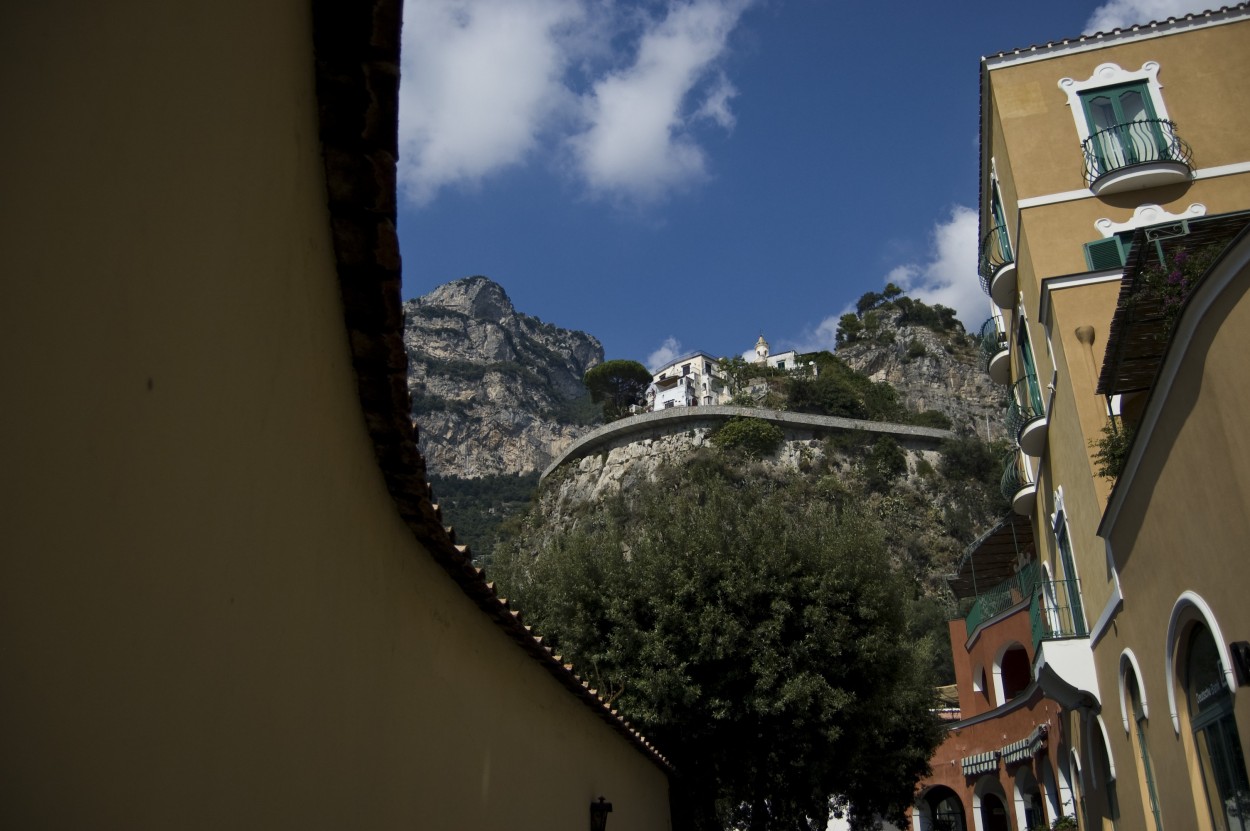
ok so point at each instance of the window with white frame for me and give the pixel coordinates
(1122, 120)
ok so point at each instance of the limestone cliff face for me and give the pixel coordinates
(616, 466)
(931, 371)
(494, 391)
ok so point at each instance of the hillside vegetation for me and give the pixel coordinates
(770, 611)
(756, 627)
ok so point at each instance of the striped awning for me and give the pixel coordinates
(979, 763)
(1026, 748)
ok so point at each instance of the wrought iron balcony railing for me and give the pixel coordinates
(993, 340)
(1013, 479)
(995, 253)
(1055, 611)
(998, 599)
(1148, 141)
(1025, 404)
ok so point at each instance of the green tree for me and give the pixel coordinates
(839, 390)
(753, 629)
(617, 384)
(885, 463)
(736, 372)
(849, 329)
(867, 301)
(753, 436)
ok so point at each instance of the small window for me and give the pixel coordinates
(685, 369)
(781, 365)
(1108, 253)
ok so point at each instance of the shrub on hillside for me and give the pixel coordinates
(753, 436)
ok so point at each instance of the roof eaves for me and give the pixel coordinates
(357, 77)
(1099, 39)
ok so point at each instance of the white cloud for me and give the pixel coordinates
(821, 336)
(948, 275)
(481, 81)
(615, 94)
(715, 107)
(668, 350)
(637, 143)
(1119, 14)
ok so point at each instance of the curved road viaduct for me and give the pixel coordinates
(677, 419)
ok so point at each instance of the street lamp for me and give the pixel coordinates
(599, 814)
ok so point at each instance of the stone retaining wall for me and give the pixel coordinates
(797, 426)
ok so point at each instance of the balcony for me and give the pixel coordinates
(1026, 416)
(1016, 486)
(1002, 597)
(993, 558)
(996, 351)
(1063, 662)
(1135, 155)
(1141, 329)
(997, 268)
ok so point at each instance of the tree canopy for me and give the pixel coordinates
(754, 628)
(839, 390)
(616, 385)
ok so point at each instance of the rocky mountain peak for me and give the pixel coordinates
(925, 354)
(484, 376)
(478, 297)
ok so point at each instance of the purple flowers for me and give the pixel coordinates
(1170, 282)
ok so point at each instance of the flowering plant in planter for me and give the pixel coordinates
(1171, 281)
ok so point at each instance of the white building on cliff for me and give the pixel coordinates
(695, 379)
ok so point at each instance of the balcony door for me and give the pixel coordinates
(1123, 128)
(1001, 239)
(1030, 370)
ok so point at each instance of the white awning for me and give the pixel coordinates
(979, 763)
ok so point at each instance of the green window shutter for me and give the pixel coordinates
(1103, 254)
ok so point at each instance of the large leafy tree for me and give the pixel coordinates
(616, 385)
(755, 629)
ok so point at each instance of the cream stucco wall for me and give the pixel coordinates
(1183, 523)
(1200, 72)
(1183, 527)
(211, 614)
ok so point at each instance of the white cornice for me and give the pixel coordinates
(1089, 43)
(1147, 215)
(1086, 193)
(1068, 281)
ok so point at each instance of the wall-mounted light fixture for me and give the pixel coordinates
(599, 814)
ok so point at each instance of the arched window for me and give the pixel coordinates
(1137, 733)
(1216, 739)
(940, 809)
(1028, 797)
(994, 814)
(980, 686)
(1014, 671)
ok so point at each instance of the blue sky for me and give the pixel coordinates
(673, 175)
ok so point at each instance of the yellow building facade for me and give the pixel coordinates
(1115, 170)
(226, 600)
